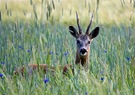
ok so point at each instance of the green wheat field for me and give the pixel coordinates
(36, 31)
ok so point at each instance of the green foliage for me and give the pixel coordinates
(112, 60)
(112, 57)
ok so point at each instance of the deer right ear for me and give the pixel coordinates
(94, 33)
(73, 31)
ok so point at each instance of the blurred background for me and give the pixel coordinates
(107, 12)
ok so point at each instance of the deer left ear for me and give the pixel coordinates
(94, 33)
(73, 31)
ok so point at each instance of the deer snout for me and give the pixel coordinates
(83, 51)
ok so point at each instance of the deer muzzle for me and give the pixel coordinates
(83, 51)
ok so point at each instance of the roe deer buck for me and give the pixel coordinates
(82, 42)
(83, 49)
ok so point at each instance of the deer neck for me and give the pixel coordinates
(83, 60)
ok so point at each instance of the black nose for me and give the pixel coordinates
(83, 51)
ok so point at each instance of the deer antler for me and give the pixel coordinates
(80, 30)
(87, 31)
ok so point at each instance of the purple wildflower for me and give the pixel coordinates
(105, 51)
(46, 80)
(20, 47)
(51, 52)
(3, 63)
(28, 50)
(1, 75)
(101, 78)
(66, 53)
(86, 93)
(128, 58)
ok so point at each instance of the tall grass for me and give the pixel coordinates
(112, 60)
(112, 57)
(63, 11)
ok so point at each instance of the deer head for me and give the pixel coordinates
(83, 42)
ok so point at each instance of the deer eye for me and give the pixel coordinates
(78, 42)
(88, 42)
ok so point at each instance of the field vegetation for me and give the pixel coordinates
(36, 31)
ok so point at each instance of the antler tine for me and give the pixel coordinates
(80, 30)
(87, 31)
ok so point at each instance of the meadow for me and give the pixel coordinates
(37, 32)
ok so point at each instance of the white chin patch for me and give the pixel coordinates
(83, 54)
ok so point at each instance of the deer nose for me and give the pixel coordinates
(83, 51)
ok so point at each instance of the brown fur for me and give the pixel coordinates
(83, 44)
(42, 67)
(82, 60)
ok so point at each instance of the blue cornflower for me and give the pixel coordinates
(46, 80)
(51, 52)
(128, 58)
(86, 93)
(20, 47)
(105, 51)
(2, 62)
(66, 53)
(101, 78)
(28, 50)
(1, 75)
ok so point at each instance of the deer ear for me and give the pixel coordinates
(94, 33)
(73, 31)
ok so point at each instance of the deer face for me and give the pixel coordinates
(83, 43)
(83, 40)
